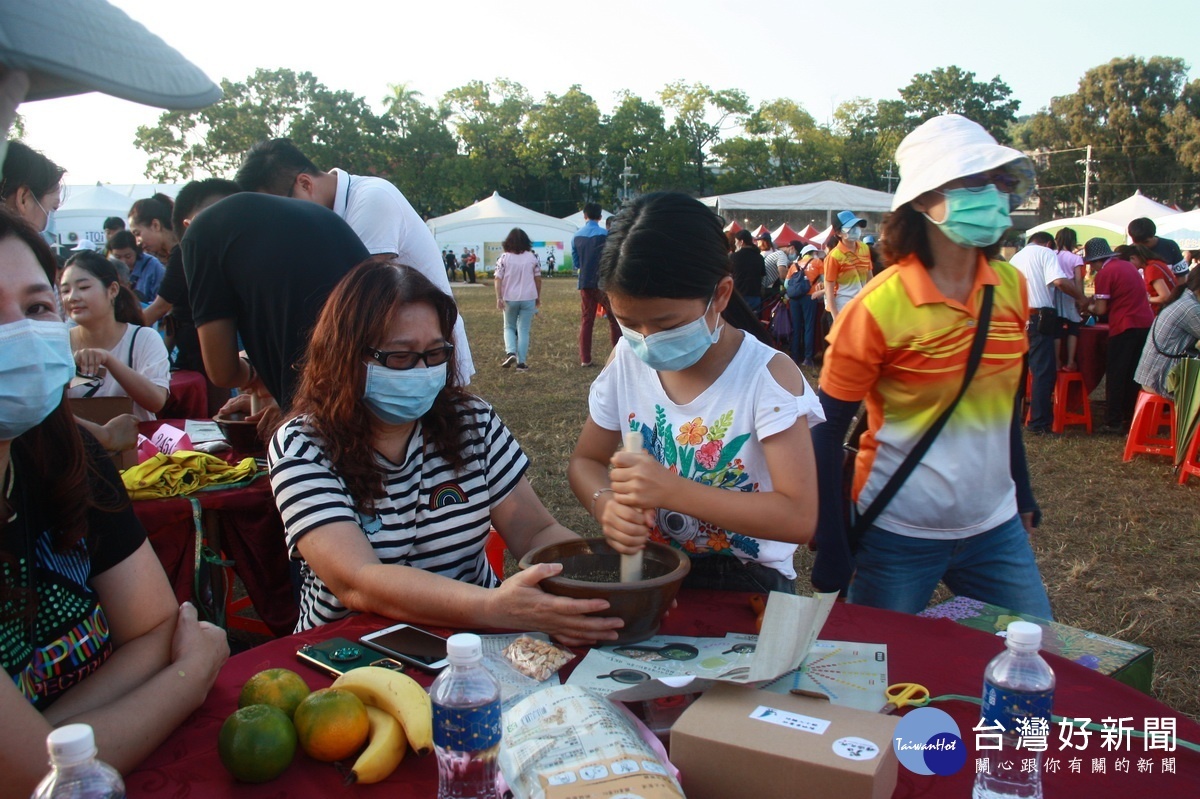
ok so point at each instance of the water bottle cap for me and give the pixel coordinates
(464, 648)
(1025, 633)
(72, 743)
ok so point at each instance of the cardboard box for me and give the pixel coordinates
(738, 741)
(1132, 664)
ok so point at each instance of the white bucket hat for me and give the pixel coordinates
(74, 46)
(951, 146)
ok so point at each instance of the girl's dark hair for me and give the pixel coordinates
(668, 244)
(330, 394)
(126, 307)
(124, 240)
(24, 166)
(904, 234)
(1190, 283)
(50, 454)
(517, 241)
(1066, 239)
(1127, 251)
(147, 210)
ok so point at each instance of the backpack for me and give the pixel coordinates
(798, 285)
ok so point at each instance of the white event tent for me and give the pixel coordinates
(85, 207)
(83, 211)
(825, 195)
(1183, 228)
(484, 225)
(577, 219)
(1109, 223)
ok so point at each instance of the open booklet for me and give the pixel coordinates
(786, 655)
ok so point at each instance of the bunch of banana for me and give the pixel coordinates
(405, 704)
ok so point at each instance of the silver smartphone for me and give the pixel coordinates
(410, 645)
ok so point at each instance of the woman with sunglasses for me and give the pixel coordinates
(389, 476)
(965, 513)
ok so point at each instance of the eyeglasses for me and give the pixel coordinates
(407, 359)
(1003, 180)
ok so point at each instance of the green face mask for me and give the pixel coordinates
(975, 217)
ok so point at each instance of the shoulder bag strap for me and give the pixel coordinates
(1154, 340)
(132, 340)
(910, 462)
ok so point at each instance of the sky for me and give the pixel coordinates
(769, 49)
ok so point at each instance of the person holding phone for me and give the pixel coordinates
(389, 476)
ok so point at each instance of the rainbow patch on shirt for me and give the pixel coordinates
(447, 494)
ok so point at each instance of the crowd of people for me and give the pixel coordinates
(326, 302)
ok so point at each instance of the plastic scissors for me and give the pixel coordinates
(904, 694)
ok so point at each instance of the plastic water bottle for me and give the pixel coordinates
(1018, 691)
(75, 772)
(466, 722)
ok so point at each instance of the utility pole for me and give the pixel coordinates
(889, 177)
(626, 174)
(1087, 179)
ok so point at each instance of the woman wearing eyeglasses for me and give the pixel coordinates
(389, 476)
(965, 512)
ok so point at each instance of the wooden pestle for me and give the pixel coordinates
(631, 565)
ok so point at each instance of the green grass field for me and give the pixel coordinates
(1119, 546)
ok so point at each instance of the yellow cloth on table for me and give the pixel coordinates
(182, 472)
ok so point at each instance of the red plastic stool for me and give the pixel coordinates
(1071, 406)
(234, 606)
(1191, 461)
(1150, 416)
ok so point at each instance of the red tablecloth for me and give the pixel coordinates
(1092, 354)
(944, 656)
(189, 396)
(251, 535)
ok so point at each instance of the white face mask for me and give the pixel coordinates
(854, 234)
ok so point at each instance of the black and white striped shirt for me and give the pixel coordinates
(431, 518)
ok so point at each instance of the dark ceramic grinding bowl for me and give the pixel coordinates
(241, 435)
(592, 569)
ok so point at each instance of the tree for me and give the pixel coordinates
(1183, 125)
(488, 119)
(781, 147)
(1060, 173)
(866, 137)
(1126, 109)
(951, 90)
(332, 127)
(423, 155)
(701, 115)
(634, 134)
(563, 141)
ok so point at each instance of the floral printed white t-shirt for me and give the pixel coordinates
(715, 439)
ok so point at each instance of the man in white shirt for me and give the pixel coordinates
(1038, 262)
(375, 209)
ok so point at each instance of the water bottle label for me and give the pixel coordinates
(1008, 708)
(466, 729)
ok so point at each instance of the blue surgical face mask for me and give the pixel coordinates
(854, 234)
(675, 349)
(35, 365)
(975, 217)
(400, 396)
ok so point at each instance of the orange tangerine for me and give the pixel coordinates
(281, 688)
(331, 724)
